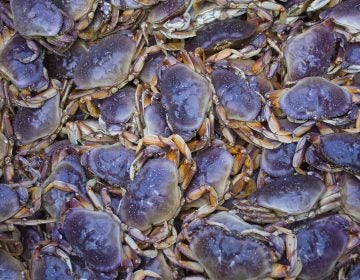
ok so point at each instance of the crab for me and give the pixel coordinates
(185, 94)
(66, 180)
(313, 99)
(63, 66)
(206, 12)
(45, 23)
(21, 62)
(97, 236)
(346, 15)
(322, 242)
(154, 115)
(87, 132)
(173, 21)
(351, 63)
(224, 253)
(11, 267)
(350, 196)
(117, 112)
(81, 11)
(238, 106)
(33, 124)
(49, 260)
(108, 65)
(151, 67)
(278, 162)
(288, 199)
(220, 35)
(154, 197)
(331, 152)
(20, 195)
(313, 52)
(110, 163)
(211, 184)
(108, 62)
(157, 267)
(258, 80)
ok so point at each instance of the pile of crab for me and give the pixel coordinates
(179, 139)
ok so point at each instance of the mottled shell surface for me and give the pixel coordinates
(110, 163)
(9, 202)
(95, 236)
(36, 17)
(315, 98)
(153, 197)
(310, 53)
(119, 107)
(320, 244)
(278, 162)
(107, 62)
(239, 100)
(230, 257)
(186, 97)
(342, 149)
(291, 194)
(214, 167)
(31, 124)
(21, 74)
(219, 35)
(155, 120)
(50, 267)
